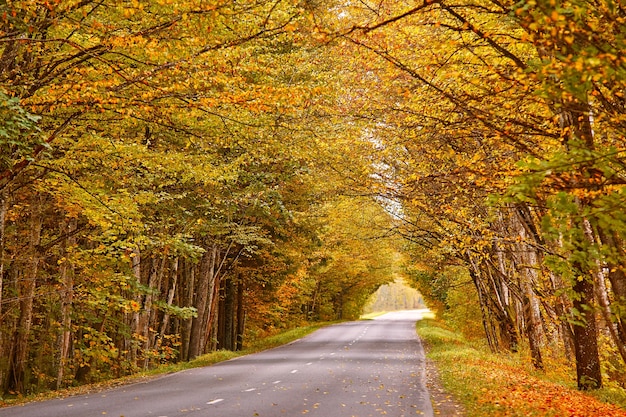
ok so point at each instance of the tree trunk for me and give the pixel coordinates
(188, 279)
(229, 315)
(528, 264)
(170, 297)
(4, 207)
(577, 114)
(221, 315)
(241, 314)
(199, 326)
(617, 278)
(588, 372)
(602, 294)
(67, 298)
(149, 313)
(27, 286)
(136, 316)
(562, 304)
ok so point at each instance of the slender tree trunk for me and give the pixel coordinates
(214, 313)
(241, 313)
(562, 304)
(136, 315)
(602, 294)
(149, 313)
(490, 333)
(67, 299)
(170, 297)
(27, 286)
(617, 278)
(188, 279)
(229, 314)
(4, 207)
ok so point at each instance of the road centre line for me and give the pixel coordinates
(215, 401)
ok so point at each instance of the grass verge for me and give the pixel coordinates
(501, 385)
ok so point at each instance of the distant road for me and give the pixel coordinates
(355, 369)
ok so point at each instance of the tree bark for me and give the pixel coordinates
(4, 206)
(528, 264)
(170, 297)
(617, 278)
(148, 313)
(602, 294)
(136, 316)
(199, 326)
(588, 374)
(67, 298)
(26, 286)
(241, 314)
(228, 335)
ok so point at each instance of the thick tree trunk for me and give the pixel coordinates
(577, 116)
(588, 371)
(199, 326)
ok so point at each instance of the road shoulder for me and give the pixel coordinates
(444, 404)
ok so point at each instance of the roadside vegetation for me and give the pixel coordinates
(210, 358)
(506, 385)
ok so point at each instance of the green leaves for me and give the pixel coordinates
(19, 132)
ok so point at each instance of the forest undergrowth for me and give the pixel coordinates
(505, 385)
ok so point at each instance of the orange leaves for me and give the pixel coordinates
(525, 395)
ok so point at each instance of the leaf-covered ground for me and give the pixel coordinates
(502, 386)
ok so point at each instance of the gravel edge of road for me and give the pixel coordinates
(444, 403)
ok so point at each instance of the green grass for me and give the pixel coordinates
(489, 384)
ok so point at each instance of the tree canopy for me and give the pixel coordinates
(179, 176)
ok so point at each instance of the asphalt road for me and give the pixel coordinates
(355, 369)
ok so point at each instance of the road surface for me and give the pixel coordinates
(355, 369)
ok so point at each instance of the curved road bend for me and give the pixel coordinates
(355, 369)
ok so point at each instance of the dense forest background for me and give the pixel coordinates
(180, 176)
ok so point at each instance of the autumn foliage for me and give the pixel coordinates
(484, 383)
(181, 176)
(170, 175)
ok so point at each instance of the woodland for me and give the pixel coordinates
(181, 176)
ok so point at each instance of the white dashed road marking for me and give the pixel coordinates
(215, 401)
